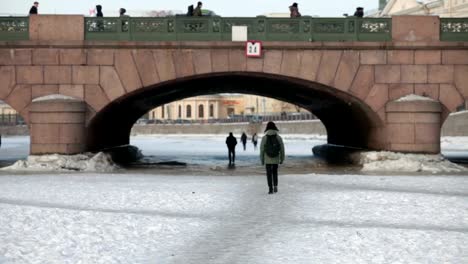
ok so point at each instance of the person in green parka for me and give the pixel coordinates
(271, 155)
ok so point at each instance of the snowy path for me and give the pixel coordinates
(135, 218)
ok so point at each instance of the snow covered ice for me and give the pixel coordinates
(121, 218)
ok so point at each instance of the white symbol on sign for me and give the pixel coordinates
(253, 49)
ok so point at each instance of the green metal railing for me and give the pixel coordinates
(219, 28)
(14, 28)
(181, 28)
(454, 29)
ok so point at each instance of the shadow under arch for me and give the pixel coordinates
(348, 120)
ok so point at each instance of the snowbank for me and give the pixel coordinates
(454, 143)
(400, 162)
(414, 97)
(54, 97)
(100, 162)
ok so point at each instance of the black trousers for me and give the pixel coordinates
(272, 174)
(232, 155)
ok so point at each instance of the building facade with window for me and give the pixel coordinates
(200, 108)
(442, 8)
(221, 106)
(5, 109)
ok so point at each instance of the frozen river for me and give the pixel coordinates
(203, 214)
(207, 154)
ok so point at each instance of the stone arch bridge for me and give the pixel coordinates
(77, 94)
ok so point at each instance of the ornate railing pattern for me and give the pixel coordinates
(454, 29)
(219, 28)
(14, 28)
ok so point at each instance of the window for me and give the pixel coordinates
(200, 111)
(162, 111)
(211, 110)
(189, 111)
(180, 111)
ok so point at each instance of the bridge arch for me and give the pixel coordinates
(349, 120)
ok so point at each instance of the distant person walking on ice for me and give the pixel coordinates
(294, 9)
(33, 10)
(198, 11)
(255, 140)
(244, 140)
(272, 154)
(231, 143)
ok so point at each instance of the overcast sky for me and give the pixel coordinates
(238, 8)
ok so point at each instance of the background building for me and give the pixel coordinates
(200, 108)
(221, 106)
(5, 109)
(442, 8)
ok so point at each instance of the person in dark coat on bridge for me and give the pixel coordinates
(294, 9)
(359, 12)
(244, 140)
(190, 10)
(33, 10)
(231, 143)
(198, 11)
(99, 11)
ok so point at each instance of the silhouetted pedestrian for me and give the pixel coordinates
(33, 10)
(244, 140)
(198, 9)
(231, 143)
(190, 10)
(99, 11)
(255, 140)
(359, 12)
(122, 12)
(99, 23)
(272, 154)
(294, 9)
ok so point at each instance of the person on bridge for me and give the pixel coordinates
(359, 12)
(122, 12)
(198, 11)
(294, 9)
(231, 143)
(33, 10)
(99, 11)
(272, 154)
(190, 10)
(244, 140)
(255, 140)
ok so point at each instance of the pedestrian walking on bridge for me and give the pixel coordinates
(294, 9)
(33, 10)
(198, 9)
